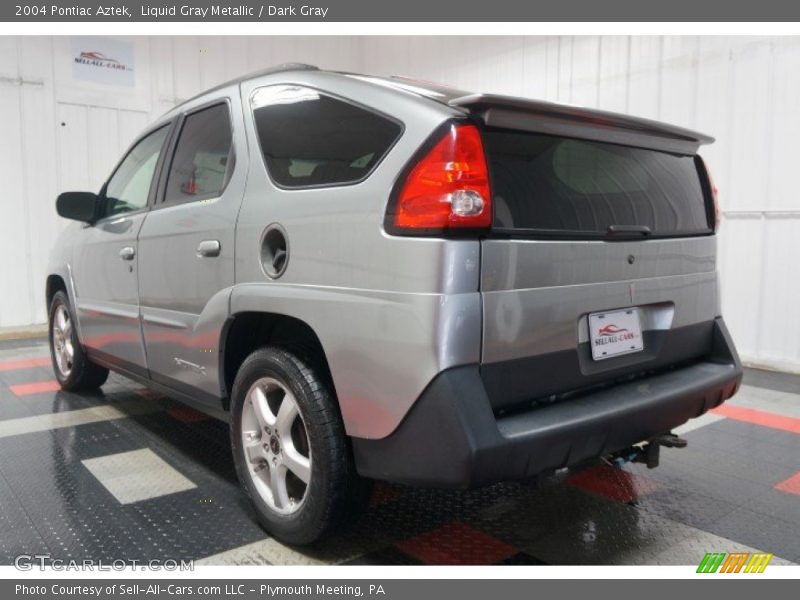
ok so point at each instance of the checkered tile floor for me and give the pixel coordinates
(127, 474)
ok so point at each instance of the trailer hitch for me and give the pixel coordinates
(650, 452)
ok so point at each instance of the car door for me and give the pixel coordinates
(186, 251)
(105, 264)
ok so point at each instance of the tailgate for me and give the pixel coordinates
(593, 215)
(537, 296)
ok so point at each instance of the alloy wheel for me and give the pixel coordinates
(276, 445)
(63, 350)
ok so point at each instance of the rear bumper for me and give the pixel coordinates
(452, 438)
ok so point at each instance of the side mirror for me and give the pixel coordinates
(78, 206)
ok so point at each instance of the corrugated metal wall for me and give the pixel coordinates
(745, 91)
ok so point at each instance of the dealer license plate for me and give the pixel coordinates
(615, 333)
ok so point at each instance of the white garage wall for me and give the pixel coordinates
(57, 134)
(742, 90)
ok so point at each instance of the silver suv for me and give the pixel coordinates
(381, 278)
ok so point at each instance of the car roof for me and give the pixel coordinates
(470, 102)
(435, 91)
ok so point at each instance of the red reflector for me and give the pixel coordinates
(449, 187)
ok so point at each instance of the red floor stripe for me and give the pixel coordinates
(457, 544)
(791, 485)
(188, 415)
(26, 389)
(613, 483)
(27, 363)
(759, 417)
(147, 393)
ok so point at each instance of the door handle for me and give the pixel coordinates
(127, 253)
(209, 248)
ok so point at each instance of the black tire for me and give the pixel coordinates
(83, 374)
(335, 493)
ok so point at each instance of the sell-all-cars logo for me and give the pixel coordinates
(611, 334)
(611, 329)
(98, 59)
(734, 562)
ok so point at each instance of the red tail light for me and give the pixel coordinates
(714, 196)
(448, 189)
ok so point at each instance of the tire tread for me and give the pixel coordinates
(343, 489)
(85, 374)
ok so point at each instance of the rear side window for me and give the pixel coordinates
(311, 139)
(203, 158)
(568, 186)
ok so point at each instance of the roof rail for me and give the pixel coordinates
(289, 66)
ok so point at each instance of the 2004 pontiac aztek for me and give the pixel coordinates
(383, 278)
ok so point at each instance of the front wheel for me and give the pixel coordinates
(290, 449)
(73, 369)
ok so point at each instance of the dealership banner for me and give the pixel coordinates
(406, 11)
(103, 60)
(388, 589)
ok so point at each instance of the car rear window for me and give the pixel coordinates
(311, 139)
(574, 187)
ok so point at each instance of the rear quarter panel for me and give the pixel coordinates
(390, 312)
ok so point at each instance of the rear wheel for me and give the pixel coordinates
(74, 371)
(290, 449)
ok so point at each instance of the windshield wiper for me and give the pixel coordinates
(615, 230)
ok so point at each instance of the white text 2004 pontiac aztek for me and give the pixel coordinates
(377, 278)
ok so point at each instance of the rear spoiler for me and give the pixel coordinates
(509, 112)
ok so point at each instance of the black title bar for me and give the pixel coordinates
(398, 11)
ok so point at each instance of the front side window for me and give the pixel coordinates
(129, 186)
(203, 158)
(311, 139)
